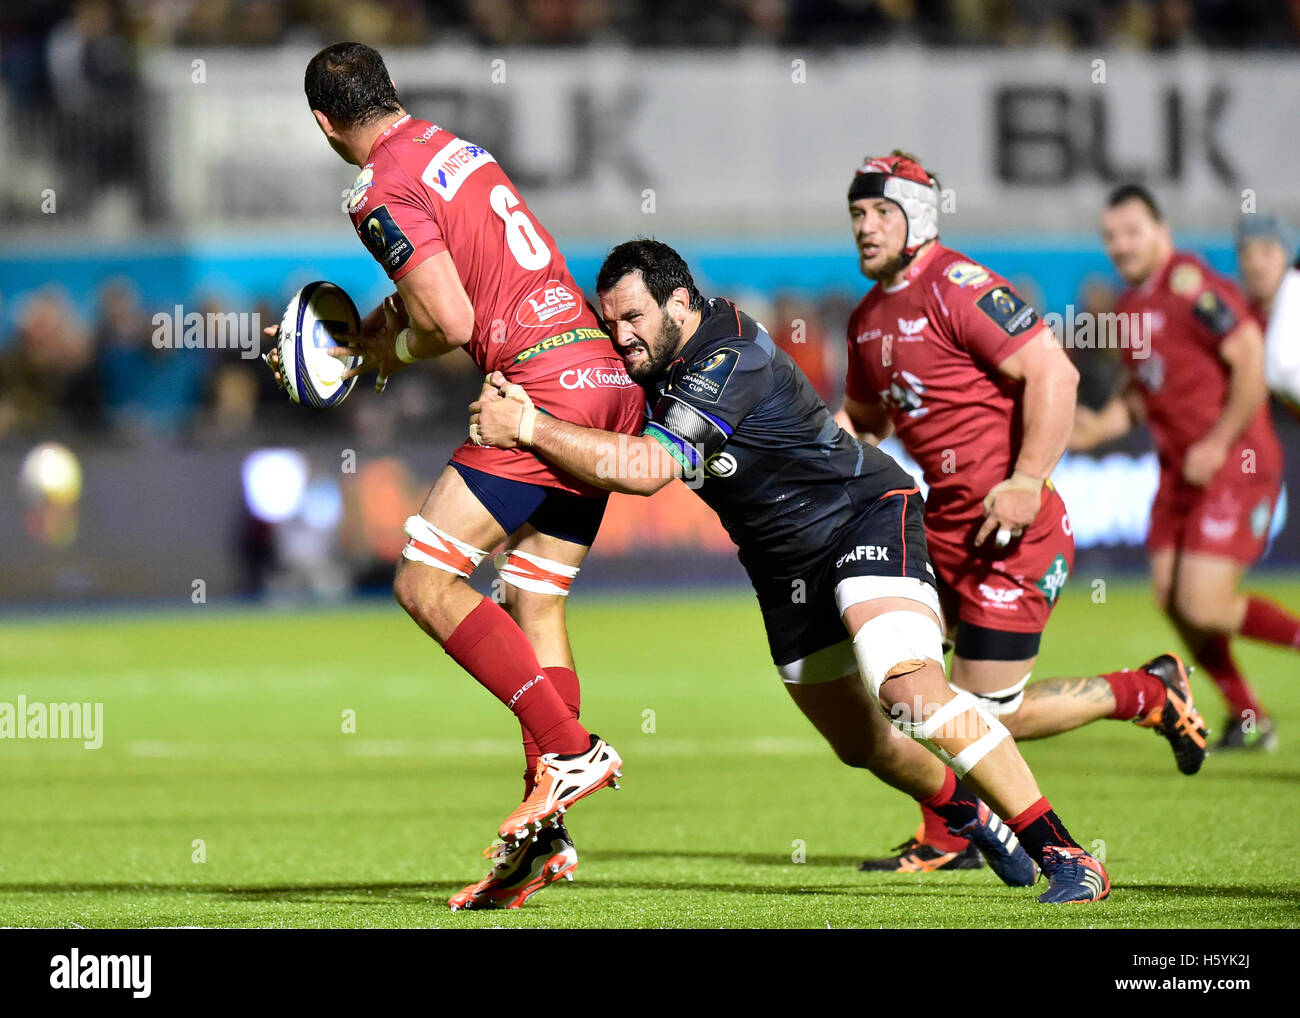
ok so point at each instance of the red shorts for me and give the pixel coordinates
(585, 384)
(1013, 588)
(1229, 517)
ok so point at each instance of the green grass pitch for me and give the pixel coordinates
(226, 792)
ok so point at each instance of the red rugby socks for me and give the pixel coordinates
(491, 647)
(1268, 621)
(954, 805)
(565, 681)
(1215, 656)
(1135, 692)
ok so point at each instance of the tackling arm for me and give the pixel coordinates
(632, 464)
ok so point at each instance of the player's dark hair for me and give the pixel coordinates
(1135, 192)
(662, 269)
(349, 83)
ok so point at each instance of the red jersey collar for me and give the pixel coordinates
(388, 133)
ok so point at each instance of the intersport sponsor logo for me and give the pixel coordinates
(595, 378)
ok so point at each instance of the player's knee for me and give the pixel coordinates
(899, 655)
(417, 590)
(909, 681)
(534, 613)
(1160, 594)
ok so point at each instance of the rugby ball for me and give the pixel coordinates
(317, 313)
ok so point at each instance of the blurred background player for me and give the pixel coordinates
(1266, 246)
(944, 353)
(811, 509)
(475, 271)
(1198, 378)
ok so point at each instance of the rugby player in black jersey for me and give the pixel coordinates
(830, 531)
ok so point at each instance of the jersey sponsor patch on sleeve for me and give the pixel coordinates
(385, 239)
(1185, 280)
(707, 379)
(356, 198)
(965, 274)
(1007, 310)
(1214, 314)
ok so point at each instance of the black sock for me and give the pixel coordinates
(956, 804)
(1039, 828)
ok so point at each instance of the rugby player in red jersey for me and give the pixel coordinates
(1200, 385)
(943, 353)
(475, 270)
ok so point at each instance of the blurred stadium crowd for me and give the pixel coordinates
(62, 374)
(44, 40)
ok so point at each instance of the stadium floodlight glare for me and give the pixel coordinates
(275, 481)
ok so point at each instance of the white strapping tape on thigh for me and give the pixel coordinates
(532, 572)
(1005, 701)
(437, 548)
(892, 637)
(858, 589)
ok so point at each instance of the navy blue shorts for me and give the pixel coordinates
(550, 511)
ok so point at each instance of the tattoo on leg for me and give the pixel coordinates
(1094, 690)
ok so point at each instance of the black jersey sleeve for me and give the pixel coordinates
(705, 403)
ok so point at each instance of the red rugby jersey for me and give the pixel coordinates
(424, 190)
(929, 350)
(1182, 379)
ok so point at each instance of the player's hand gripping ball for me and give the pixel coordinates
(308, 360)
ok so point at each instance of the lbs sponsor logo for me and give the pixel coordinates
(595, 378)
(550, 304)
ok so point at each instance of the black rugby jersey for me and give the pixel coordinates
(765, 453)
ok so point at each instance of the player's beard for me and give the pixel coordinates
(890, 269)
(659, 354)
